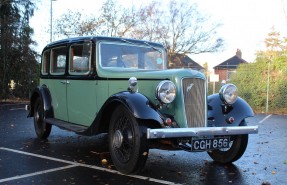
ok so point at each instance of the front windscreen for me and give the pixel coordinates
(131, 56)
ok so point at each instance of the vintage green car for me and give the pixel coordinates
(122, 87)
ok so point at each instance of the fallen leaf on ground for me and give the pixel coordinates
(104, 161)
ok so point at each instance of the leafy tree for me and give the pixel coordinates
(17, 60)
(275, 45)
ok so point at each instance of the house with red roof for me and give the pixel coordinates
(229, 66)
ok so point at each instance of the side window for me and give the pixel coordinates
(45, 62)
(58, 62)
(80, 59)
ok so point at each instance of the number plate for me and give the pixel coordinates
(210, 144)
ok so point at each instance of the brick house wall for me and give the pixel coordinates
(227, 68)
(222, 74)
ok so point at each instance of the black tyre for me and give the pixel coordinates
(238, 145)
(128, 144)
(42, 128)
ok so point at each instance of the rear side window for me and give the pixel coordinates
(58, 61)
(45, 62)
(80, 59)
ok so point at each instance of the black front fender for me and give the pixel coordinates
(44, 93)
(138, 105)
(219, 113)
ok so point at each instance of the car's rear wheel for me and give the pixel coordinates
(237, 147)
(42, 128)
(127, 141)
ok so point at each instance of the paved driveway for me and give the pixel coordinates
(66, 158)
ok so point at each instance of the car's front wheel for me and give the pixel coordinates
(42, 128)
(237, 147)
(127, 141)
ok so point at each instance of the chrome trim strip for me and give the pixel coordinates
(200, 131)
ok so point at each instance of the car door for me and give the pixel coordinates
(57, 82)
(81, 87)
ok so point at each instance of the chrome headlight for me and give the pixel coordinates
(228, 93)
(165, 91)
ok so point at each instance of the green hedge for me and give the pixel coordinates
(251, 80)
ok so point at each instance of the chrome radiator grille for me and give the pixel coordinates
(195, 101)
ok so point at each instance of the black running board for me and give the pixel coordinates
(66, 125)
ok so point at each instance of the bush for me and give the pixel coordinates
(251, 80)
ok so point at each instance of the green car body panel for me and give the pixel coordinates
(147, 86)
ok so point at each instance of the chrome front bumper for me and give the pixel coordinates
(199, 131)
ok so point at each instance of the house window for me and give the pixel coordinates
(230, 73)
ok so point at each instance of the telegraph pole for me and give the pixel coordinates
(268, 83)
(51, 20)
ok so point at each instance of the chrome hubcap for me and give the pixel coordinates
(37, 116)
(118, 139)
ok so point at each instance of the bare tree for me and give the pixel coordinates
(118, 21)
(189, 31)
(76, 24)
(149, 26)
(179, 26)
(113, 20)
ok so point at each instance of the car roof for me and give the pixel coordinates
(100, 38)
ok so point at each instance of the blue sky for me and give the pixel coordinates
(245, 23)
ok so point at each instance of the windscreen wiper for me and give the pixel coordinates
(153, 47)
(128, 41)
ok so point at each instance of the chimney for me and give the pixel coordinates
(239, 53)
